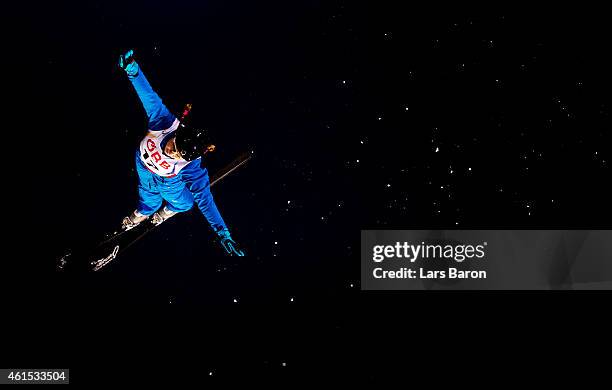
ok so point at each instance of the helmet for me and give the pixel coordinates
(192, 143)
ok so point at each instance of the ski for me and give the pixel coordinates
(99, 256)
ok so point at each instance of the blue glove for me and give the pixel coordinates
(127, 63)
(231, 247)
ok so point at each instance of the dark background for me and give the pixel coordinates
(363, 116)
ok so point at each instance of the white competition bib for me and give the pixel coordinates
(152, 154)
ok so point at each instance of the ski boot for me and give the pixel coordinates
(133, 220)
(162, 215)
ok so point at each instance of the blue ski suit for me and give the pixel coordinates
(191, 184)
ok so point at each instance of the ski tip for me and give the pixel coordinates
(248, 154)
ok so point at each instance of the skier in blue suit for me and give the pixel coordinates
(168, 163)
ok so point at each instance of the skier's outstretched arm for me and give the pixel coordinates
(160, 118)
(198, 183)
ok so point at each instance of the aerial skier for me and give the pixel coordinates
(168, 162)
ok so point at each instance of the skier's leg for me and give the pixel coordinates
(175, 192)
(178, 199)
(149, 197)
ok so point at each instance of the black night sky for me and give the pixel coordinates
(363, 116)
